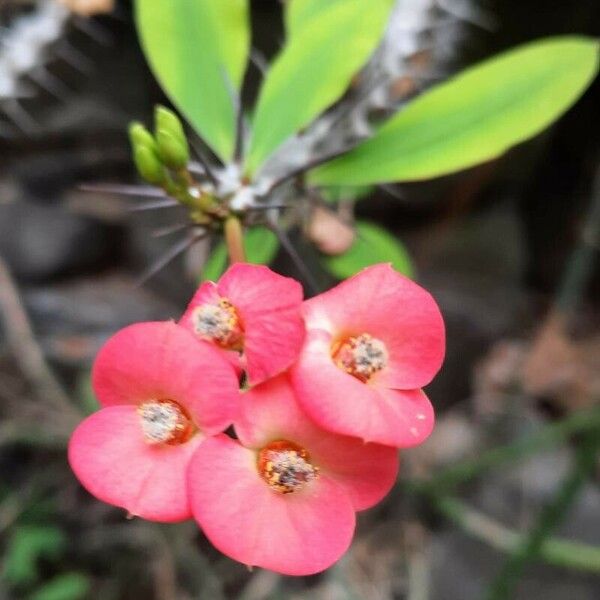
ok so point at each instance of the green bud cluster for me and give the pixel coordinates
(166, 150)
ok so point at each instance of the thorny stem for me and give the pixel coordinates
(562, 553)
(234, 239)
(548, 436)
(558, 552)
(549, 519)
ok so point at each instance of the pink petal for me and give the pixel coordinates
(112, 461)
(392, 308)
(295, 534)
(270, 412)
(207, 294)
(269, 307)
(343, 404)
(163, 361)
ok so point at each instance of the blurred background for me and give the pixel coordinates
(509, 249)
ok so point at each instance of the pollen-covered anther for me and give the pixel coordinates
(164, 422)
(219, 323)
(361, 356)
(285, 466)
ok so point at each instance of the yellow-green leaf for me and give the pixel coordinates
(314, 69)
(373, 244)
(198, 50)
(474, 117)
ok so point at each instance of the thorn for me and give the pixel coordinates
(269, 207)
(140, 191)
(306, 167)
(287, 245)
(392, 191)
(51, 84)
(20, 117)
(153, 204)
(205, 164)
(258, 59)
(470, 14)
(93, 30)
(163, 231)
(75, 58)
(196, 168)
(179, 248)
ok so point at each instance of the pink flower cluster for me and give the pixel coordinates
(330, 391)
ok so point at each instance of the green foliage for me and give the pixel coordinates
(314, 68)
(346, 193)
(30, 544)
(474, 117)
(372, 244)
(68, 586)
(198, 50)
(85, 393)
(261, 246)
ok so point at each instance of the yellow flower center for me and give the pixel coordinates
(361, 356)
(285, 466)
(164, 422)
(219, 323)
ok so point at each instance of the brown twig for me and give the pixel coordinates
(28, 353)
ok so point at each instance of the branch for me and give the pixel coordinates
(530, 546)
(555, 551)
(546, 437)
(27, 352)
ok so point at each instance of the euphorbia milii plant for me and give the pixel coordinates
(332, 387)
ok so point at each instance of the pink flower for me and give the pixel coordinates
(254, 311)
(162, 392)
(372, 342)
(284, 497)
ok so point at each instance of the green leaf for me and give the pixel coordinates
(299, 13)
(474, 117)
(314, 68)
(346, 193)
(261, 247)
(28, 545)
(68, 586)
(373, 244)
(84, 393)
(198, 50)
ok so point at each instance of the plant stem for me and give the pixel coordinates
(558, 552)
(549, 519)
(581, 264)
(28, 354)
(548, 436)
(234, 239)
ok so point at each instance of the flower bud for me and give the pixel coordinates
(171, 138)
(148, 165)
(167, 120)
(140, 136)
(170, 149)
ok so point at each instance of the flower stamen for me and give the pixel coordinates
(285, 466)
(361, 356)
(164, 422)
(219, 323)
